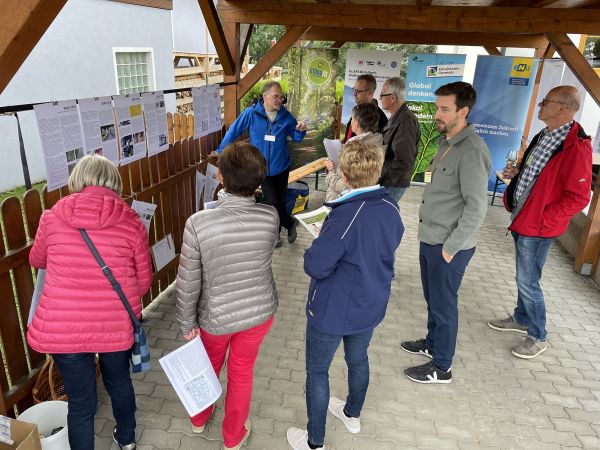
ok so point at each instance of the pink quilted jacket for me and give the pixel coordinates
(79, 311)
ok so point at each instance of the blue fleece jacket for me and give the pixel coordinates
(351, 263)
(255, 120)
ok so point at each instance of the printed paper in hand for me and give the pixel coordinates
(163, 252)
(5, 435)
(145, 211)
(333, 147)
(200, 182)
(130, 124)
(211, 205)
(40, 279)
(62, 142)
(191, 374)
(99, 128)
(313, 220)
(155, 114)
(212, 183)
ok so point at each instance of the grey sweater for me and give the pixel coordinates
(225, 283)
(455, 202)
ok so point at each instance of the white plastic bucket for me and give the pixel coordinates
(47, 416)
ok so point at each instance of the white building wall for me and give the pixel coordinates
(74, 59)
(189, 28)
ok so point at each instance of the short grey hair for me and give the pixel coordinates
(270, 85)
(396, 86)
(95, 170)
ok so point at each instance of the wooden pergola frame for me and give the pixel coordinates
(539, 24)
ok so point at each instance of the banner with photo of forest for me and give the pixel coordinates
(311, 96)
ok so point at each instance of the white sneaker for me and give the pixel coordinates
(336, 407)
(298, 439)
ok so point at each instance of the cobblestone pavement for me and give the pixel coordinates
(494, 401)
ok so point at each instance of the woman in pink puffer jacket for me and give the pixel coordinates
(79, 313)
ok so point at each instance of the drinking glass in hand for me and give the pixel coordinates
(511, 159)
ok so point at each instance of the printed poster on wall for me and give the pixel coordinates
(425, 74)
(99, 128)
(504, 85)
(155, 115)
(382, 65)
(311, 98)
(130, 127)
(62, 142)
(206, 101)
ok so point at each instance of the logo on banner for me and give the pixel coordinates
(318, 71)
(445, 70)
(520, 71)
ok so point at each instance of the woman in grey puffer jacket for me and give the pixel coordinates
(225, 287)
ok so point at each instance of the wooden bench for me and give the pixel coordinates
(301, 172)
(499, 179)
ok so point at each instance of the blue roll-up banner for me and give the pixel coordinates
(504, 85)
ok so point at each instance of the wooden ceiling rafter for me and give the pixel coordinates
(213, 23)
(427, 18)
(492, 51)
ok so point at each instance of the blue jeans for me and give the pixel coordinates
(441, 281)
(79, 374)
(320, 349)
(396, 192)
(531, 255)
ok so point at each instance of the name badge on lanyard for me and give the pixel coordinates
(269, 137)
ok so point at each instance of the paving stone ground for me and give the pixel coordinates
(494, 401)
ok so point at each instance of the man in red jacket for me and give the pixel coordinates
(551, 184)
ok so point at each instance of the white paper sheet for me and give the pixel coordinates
(155, 115)
(99, 128)
(200, 182)
(37, 293)
(145, 211)
(211, 205)
(313, 220)
(163, 252)
(333, 147)
(5, 432)
(212, 183)
(130, 125)
(214, 107)
(206, 101)
(191, 374)
(62, 142)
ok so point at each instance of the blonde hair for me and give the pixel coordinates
(361, 164)
(95, 170)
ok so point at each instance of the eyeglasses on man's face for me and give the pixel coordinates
(358, 91)
(384, 95)
(276, 97)
(544, 101)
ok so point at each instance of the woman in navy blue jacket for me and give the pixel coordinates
(269, 125)
(351, 265)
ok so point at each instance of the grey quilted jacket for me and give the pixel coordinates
(224, 282)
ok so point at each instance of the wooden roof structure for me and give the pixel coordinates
(542, 25)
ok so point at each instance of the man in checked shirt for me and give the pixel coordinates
(551, 184)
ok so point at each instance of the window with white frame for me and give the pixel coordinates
(134, 70)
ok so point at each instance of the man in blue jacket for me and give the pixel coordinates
(351, 265)
(269, 125)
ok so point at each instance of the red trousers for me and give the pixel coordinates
(243, 350)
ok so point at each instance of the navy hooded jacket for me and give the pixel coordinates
(255, 120)
(351, 263)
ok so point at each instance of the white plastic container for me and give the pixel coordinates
(48, 416)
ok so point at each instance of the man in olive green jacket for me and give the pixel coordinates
(453, 208)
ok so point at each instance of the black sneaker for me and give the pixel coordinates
(417, 347)
(292, 233)
(122, 447)
(278, 243)
(428, 373)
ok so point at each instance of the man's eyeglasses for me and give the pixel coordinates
(544, 101)
(358, 91)
(276, 97)
(384, 95)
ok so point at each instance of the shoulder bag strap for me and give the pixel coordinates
(107, 272)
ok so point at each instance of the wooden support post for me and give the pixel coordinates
(22, 24)
(492, 50)
(269, 59)
(337, 44)
(589, 242)
(213, 23)
(231, 100)
(245, 35)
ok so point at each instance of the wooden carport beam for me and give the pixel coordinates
(483, 19)
(337, 44)
(493, 51)
(269, 59)
(218, 36)
(22, 24)
(426, 37)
